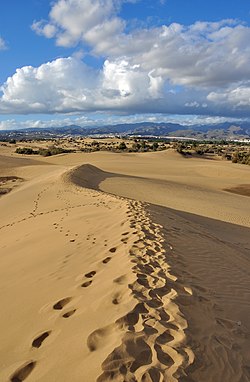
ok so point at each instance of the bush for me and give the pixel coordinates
(44, 152)
(122, 146)
(53, 151)
(136, 146)
(26, 151)
(155, 146)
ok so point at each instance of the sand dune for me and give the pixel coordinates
(212, 258)
(67, 272)
(98, 287)
(165, 178)
(49, 281)
(87, 176)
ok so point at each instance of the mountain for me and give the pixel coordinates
(225, 130)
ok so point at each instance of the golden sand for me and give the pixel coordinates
(98, 287)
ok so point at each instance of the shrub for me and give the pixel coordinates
(122, 146)
(155, 146)
(26, 151)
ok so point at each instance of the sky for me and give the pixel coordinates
(94, 62)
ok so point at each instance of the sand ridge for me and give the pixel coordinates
(193, 185)
(153, 345)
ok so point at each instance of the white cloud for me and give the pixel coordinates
(77, 21)
(44, 29)
(3, 45)
(68, 85)
(202, 68)
(203, 54)
(129, 80)
(236, 97)
(193, 56)
(58, 86)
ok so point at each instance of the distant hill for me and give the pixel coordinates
(214, 131)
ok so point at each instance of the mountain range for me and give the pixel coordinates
(224, 130)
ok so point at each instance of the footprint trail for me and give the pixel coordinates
(153, 346)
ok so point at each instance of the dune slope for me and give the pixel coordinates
(212, 257)
(87, 290)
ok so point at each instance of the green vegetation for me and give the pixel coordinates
(130, 146)
(237, 152)
(44, 152)
(242, 157)
(122, 146)
(26, 151)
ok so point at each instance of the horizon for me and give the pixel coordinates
(123, 61)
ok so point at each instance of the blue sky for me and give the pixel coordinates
(105, 61)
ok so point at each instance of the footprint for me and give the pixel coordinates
(90, 274)
(69, 314)
(23, 372)
(116, 299)
(97, 338)
(112, 250)
(37, 342)
(120, 280)
(86, 284)
(59, 305)
(106, 260)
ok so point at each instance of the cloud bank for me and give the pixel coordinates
(200, 69)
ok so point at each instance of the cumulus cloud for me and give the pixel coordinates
(196, 55)
(204, 54)
(62, 85)
(44, 29)
(74, 21)
(202, 68)
(68, 85)
(235, 96)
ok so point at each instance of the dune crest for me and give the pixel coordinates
(153, 341)
(153, 346)
(87, 176)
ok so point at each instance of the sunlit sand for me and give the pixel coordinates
(124, 267)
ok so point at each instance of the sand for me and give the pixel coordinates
(124, 267)
(212, 257)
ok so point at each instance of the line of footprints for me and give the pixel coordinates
(24, 371)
